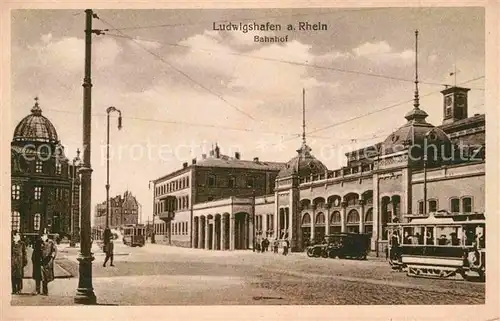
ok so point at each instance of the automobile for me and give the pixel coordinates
(317, 250)
(347, 245)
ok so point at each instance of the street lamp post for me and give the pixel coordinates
(85, 292)
(108, 111)
(154, 212)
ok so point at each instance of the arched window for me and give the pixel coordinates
(369, 221)
(369, 216)
(16, 192)
(36, 221)
(336, 218)
(334, 200)
(319, 202)
(16, 221)
(320, 219)
(305, 204)
(306, 219)
(353, 217)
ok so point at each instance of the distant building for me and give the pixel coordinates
(45, 186)
(122, 210)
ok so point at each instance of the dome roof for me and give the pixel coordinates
(304, 164)
(35, 127)
(414, 132)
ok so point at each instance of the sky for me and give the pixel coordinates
(182, 86)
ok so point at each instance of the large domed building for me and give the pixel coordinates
(44, 183)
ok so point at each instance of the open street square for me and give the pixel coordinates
(164, 275)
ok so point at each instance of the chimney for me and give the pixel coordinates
(184, 165)
(256, 159)
(193, 161)
(237, 155)
(203, 156)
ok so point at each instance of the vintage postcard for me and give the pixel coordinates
(296, 162)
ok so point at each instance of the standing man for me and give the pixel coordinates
(49, 253)
(18, 261)
(286, 244)
(36, 260)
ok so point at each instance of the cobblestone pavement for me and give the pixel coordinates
(163, 275)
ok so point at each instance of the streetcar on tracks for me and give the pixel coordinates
(134, 234)
(441, 245)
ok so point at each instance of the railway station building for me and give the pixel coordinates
(302, 200)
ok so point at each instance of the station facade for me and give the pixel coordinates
(419, 168)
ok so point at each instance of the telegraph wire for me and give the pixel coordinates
(370, 113)
(282, 61)
(183, 73)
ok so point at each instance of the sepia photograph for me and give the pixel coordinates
(248, 157)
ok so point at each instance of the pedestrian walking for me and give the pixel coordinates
(49, 253)
(275, 246)
(18, 261)
(263, 245)
(36, 261)
(266, 244)
(286, 244)
(108, 247)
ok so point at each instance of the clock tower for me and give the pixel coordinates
(455, 104)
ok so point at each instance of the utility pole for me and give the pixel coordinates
(85, 292)
(154, 211)
(254, 220)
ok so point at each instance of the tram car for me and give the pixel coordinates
(441, 245)
(134, 235)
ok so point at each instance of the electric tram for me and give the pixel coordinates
(134, 234)
(441, 245)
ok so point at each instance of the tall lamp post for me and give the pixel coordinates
(154, 211)
(85, 291)
(109, 110)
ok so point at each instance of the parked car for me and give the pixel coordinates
(348, 245)
(317, 250)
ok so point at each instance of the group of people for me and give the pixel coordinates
(42, 258)
(263, 246)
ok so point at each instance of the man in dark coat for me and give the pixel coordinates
(108, 247)
(18, 261)
(36, 260)
(49, 252)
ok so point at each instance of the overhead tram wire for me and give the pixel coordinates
(187, 124)
(183, 73)
(341, 11)
(281, 61)
(371, 113)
